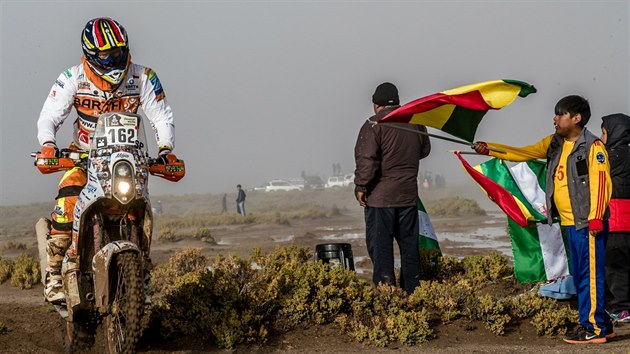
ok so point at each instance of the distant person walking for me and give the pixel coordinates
(386, 185)
(224, 203)
(240, 200)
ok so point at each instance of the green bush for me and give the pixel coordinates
(6, 268)
(492, 312)
(482, 270)
(25, 272)
(203, 233)
(168, 234)
(234, 301)
(555, 321)
(165, 276)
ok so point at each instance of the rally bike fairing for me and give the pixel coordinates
(113, 208)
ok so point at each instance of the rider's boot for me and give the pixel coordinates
(55, 251)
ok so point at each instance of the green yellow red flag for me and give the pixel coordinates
(459, 111)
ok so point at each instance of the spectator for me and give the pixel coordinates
(616, 137)
(240, 200)
(578, 189)
(386, 185)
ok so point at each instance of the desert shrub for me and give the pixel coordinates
(492, 312)
(234, 301)
(383, 316)
(529, 303)
(554, 321)
(25, 272)
(455, 206)
(3, 328)
(447, 300)
(6, 267)
(449, 267)
(482, 269)
(167, 234)
(165, 275)
(204, 234)
(227, 304)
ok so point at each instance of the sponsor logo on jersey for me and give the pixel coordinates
(157, 86)
(58, 210)
(59, 83)
(84, 85)
(68, 73)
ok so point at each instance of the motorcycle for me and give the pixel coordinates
(106, 268)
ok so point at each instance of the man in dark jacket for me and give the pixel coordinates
(240, 200)
(616, 137)
(387, 161)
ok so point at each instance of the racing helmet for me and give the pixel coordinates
(106, 48)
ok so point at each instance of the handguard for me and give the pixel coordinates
(168, 167)
(47, 161)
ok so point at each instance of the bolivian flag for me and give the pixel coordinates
(540, 250)
(427, 240)
(510, 205)
(459, 111)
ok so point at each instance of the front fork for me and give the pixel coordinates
(102, 261)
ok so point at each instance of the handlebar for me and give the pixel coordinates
(168, 167)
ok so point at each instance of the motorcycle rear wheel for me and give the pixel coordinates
(123, 324)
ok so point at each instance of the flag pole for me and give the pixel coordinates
(463, 142)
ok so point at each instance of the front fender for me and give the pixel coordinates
(100, 265)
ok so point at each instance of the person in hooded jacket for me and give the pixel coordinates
(616, 137)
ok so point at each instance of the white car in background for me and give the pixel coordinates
(348, 179)
(340, 181)
(281, 185)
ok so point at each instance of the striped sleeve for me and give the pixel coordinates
(157, 109)
(526, 153)
(600, 184)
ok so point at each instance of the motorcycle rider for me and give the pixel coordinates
(105, 81)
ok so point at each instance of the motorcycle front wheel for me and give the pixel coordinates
(123, 323)
(77, 337)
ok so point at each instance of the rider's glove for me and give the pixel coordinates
(49, 150)
(163, 154)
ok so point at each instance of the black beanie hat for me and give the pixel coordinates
(386, 94)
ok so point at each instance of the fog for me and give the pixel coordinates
(268, 89)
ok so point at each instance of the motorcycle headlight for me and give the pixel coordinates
(123, 187)
(123, 182)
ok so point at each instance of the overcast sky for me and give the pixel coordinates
(268, 89)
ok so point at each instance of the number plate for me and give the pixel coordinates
(121, 130)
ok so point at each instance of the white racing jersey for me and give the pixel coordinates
(91, 96)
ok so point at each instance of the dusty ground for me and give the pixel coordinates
(35, 328)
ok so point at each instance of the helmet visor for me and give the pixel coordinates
(115, 58)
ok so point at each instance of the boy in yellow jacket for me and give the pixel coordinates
(578, 188)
